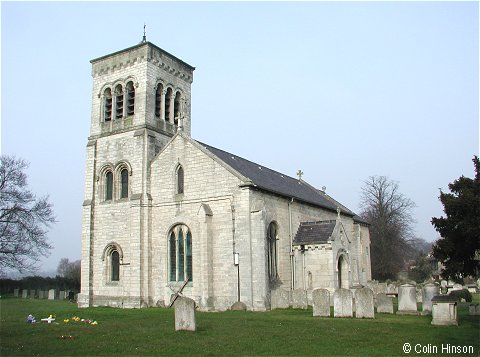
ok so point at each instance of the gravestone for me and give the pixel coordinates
(24, 293)
(299, 299)
(51, 294)
(280, 298)
(456, 287)
(364, 305)
(32, 294)
(429, 291)
(238, 306)
(407, 300)
(321, 302)
(16, 292)
(185, 314)
(419, 294)
(474, 309)
(384, 304)
(381, 288)
(444, 310)
(61, 295)
(342, 303)
(40, 294)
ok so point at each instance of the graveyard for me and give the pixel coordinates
(289, 331)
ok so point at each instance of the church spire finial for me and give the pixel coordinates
(144, 33)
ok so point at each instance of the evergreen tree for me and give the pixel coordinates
(458, 249)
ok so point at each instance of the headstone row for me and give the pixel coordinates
(44, 294)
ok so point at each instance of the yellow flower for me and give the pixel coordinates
(66, 321)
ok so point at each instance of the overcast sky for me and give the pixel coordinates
(341, 90)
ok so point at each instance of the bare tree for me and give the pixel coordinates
(70, 270)
(23, 218)
(390, 215)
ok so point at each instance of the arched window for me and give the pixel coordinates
(107, 105)
(158, 100)
(176, 108)
(112, 257)
(108, 186)
(180, 254)
(130, 99)
(114, 265)
(272, 252)
(180, 179)
(124, 183)
(168, 104)
(118, 102)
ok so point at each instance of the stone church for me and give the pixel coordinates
(164, 213)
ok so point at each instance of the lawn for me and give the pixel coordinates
(151, 332)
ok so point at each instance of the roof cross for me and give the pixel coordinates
(300, 174)
(144, 33)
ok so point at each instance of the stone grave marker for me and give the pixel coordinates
(429, 291)
(32, 294)
(280, 298)
(364, 305)
(444, 310)
(321, 302)
(342, 303)
(40, 294)
(381, 288)
(238, 306)
(51, 294)
(61, 295)
(185, 314)
(384, 304)
(24, 293)
(474, 309)
(407, 300)
(299, 299)
(16, 292)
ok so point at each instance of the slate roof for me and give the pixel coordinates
(275, 182)
(314, 232)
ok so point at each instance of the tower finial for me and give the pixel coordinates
(144, 33)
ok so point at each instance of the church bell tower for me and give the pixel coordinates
(141, 96)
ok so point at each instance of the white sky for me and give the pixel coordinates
(339, 90)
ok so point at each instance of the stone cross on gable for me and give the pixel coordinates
(300, 174)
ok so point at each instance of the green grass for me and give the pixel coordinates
(151, 332)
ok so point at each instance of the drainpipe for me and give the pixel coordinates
(292, 263)
(304, 275)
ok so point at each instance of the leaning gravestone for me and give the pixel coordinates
(299, 299)
(16, 292)
(384, 304)
(429, 291)
(51, 294)
(407, 300)
(24, 293)
(364, 305)
(321, 302)
(185, 314)
(280, 298)
(342, 303)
